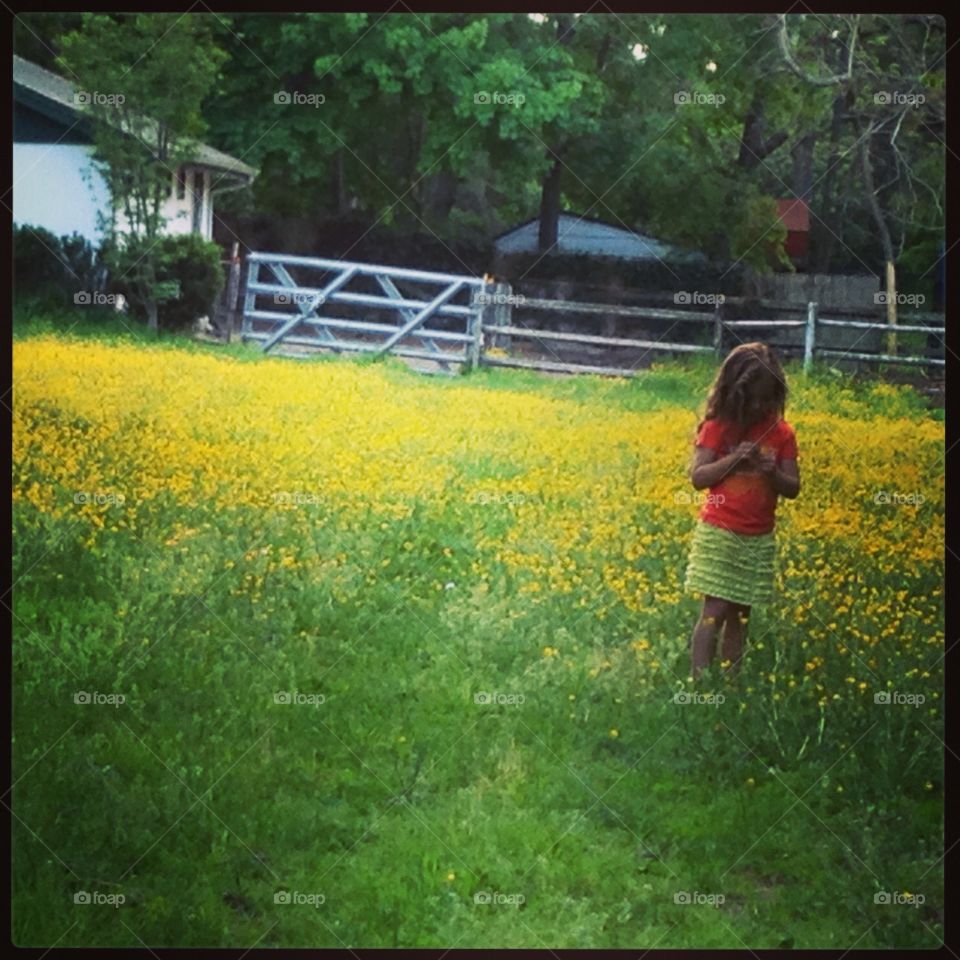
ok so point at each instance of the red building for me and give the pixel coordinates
(795, 216)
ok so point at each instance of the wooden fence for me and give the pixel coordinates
(503, 329)
(392, 306)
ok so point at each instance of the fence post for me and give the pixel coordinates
(718, 328)
(233, 290)
(480, 306)
(810, 336)
(500, 313)
(249, 304)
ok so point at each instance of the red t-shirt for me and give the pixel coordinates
(745, 501)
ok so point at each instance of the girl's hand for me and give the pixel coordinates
(744, 451)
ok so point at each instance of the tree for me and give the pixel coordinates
(141, 81)
(461, 124)
(888, 72)
(36, 36)
(717, 123)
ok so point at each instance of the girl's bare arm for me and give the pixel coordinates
(706, 470)
(785, 477)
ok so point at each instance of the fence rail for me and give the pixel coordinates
(504, 330)
(469, 316)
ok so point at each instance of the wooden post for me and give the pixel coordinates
(253, 272)
(475, 328)
(810, 336)
(891, 308)
(718, 329)
(500, 313)
(233, 289)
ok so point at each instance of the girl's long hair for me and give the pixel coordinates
(749, 388)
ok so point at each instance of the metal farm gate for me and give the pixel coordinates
(311, 302)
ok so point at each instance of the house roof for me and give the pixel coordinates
(582, 235)
(795, 214)
(53, 95)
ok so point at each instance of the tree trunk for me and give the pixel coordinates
(825, 232)
(440, 194)
(755, 146)
(885, 241)
(148, 276)
(550, 206)
(153, 320)
(802, 155)
(341, 203)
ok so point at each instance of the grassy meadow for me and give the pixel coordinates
(322, 653)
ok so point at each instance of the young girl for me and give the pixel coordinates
(746, 454)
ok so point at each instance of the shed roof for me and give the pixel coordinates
(584, 236)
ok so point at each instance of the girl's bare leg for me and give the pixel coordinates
(734, 631)
(703, 641)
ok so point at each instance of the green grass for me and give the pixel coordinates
(399, 798)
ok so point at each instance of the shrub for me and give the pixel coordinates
(188, 272)
(51, 268)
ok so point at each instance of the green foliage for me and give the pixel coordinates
(759, 236)
(54, 268)
(401, 139)
(145, 77)
(185, 263)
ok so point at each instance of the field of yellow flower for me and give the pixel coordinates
(356, 657)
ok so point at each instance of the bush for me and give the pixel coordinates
(51, 268)
(195, 264)
(188, 270)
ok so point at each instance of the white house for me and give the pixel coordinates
(57, 186)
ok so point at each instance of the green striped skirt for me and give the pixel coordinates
(734, 566)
